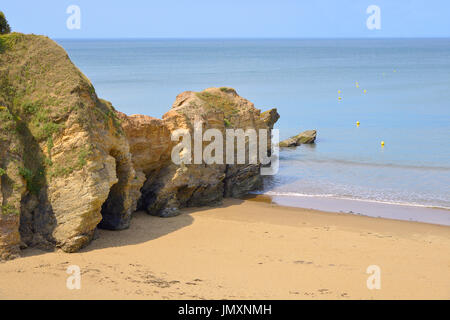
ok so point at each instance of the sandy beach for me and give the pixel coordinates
(244, 249)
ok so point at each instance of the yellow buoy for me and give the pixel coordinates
(365, 91)
(357, 84)
(339, 91)
(382, 143)
(339, 98)
(357, 123)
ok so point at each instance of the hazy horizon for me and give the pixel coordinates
(251, 38)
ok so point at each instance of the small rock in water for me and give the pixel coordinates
(306, 137)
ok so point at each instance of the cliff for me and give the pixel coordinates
(69, 162)
(65, 158)
(169, 187)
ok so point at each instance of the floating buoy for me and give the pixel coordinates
(339, 91)
(365, 91)
(339, 98)
(357, 84)
(382, 143)
(357, 123)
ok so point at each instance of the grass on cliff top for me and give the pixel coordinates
(30, 83)
(220, 102)
(7, 41)
(227, 90)
(41, 93)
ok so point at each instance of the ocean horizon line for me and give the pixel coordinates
(249, 38)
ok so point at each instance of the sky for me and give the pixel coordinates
(230, 18)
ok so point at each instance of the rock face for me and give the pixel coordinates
(65, 161)
(69, 162)
(168, 186)
(305, 137)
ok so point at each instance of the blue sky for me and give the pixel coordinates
(230, 19)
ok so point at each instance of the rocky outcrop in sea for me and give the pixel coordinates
(305, 137)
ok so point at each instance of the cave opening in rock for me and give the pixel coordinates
(113, 211)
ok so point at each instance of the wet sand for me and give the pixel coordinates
(434, 215)
(244, 250)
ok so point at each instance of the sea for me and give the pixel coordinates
(397, 89)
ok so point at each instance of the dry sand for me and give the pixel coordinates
(244, 250)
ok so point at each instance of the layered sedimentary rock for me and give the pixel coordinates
(168, 186)
(306, 137)
(69, 162)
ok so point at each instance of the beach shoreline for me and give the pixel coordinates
(362, 207)
(244, 249)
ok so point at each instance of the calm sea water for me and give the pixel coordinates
(406, 104)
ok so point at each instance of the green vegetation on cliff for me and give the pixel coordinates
(42, 94)
(8, 209)
(221, 102)
(65, 160)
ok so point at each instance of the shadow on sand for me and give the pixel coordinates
(144, 228)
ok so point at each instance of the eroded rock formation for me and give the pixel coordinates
(65, 160)
(69, 162)
(169, 186)
(306, 137)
